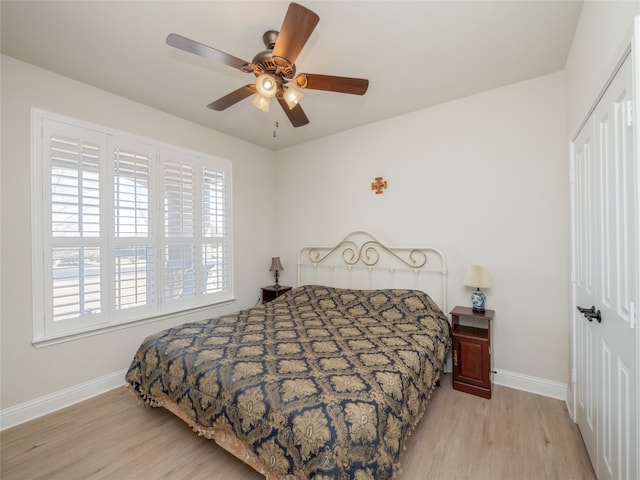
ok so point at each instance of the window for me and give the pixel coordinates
(124, 229)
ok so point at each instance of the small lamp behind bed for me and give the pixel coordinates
(477, 277)
(276, 268)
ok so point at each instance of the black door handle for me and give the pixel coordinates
(586, 311)
(591, 313)
(596, 315)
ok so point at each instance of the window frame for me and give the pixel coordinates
(110, 316)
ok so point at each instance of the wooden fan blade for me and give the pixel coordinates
(191, 46)
(354, 86)
(232, 98)
(295, 115)
(296, 29)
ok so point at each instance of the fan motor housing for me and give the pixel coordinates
(265, 62)
(269, 39)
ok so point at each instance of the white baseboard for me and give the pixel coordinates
(24, 412)
(12, 416)
(527, 383)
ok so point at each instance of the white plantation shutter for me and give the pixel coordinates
(132, 193)
(215, 260)
(73, 262)
(133, 228)
(123, 229)
(213, 203)
(197, 248)
(133, 276)
(214, 230)
(75, 186)
(76, 282)
(178, 199)
(178, 230)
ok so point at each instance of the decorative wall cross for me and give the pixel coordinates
(379, 185)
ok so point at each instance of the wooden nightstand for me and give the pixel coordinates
(272, 292)
(472, 351)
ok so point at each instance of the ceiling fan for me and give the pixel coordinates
(274, 68)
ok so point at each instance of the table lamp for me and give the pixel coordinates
(276, 268)
(477, 277)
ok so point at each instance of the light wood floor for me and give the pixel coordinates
(515, 435)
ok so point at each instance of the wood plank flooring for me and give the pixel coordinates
(515, 435)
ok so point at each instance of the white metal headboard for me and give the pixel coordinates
(361, 261)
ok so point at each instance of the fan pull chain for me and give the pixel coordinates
(274, 129)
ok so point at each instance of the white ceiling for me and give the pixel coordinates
(415, 54)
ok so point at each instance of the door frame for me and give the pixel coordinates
(635, 60)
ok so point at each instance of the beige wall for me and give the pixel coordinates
(28, 372)
(484, 178)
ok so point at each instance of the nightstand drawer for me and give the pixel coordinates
(272, 292)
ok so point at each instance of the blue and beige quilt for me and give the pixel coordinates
(321, 383)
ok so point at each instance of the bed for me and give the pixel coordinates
(324, 382)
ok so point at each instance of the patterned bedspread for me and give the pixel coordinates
(321, 383)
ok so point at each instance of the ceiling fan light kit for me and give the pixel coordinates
(292, 97)
(275, 67)
(261, 102)
(266, 85)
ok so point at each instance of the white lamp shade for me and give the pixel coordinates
(261, 102)
(292, 97)
(266, 85)
(477, 277)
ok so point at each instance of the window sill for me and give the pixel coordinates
(71, 336)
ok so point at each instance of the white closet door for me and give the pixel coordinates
(618, 261)
(585, 203)
(606, 266)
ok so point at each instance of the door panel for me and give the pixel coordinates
(584, 238)
(473, 362)
(605, 268)
(618, 256)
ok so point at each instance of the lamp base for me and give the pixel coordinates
(477, 301)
